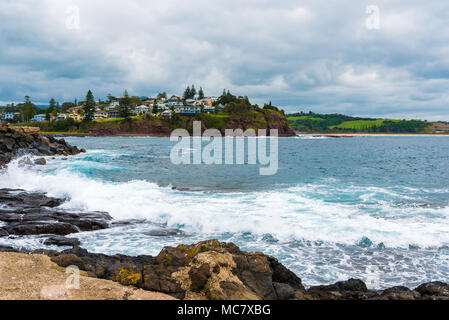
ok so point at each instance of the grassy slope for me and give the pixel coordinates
(360, 124)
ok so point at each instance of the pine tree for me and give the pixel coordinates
(201, 94)
(192, 92)
(125, 105)
(52, 103)
(187, 93)
(89, 106)
(28, 110)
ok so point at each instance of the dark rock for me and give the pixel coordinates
(3, 233)
(199, 277)
(283, 291)
(352, 289)
(283, 275)
(35, 213)
(435, 289)
(61, 241)
(119, 223)
(35, 228)
(399, 293)
(40, 161)
(164, 232)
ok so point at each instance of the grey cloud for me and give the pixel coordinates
(308, 55)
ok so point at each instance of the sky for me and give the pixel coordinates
(367, 58)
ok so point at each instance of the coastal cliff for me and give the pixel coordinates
(163, 126)
(16, 141)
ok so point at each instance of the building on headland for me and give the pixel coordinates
(75, 116)
(113, 114)
(39, 118)
(101, 114)
(62, 116)
(9, 115)
(142, 109)
(113, 105)
(188, 110)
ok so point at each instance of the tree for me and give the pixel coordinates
(192, 92)
(201, 93)
(155, 108)
(89, 106)
(52, 104)
(28, 110)
(111, 98)
(187, 93)
(161, 95)
(125, 105)
(66, 106)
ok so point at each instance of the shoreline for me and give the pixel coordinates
(330, 135)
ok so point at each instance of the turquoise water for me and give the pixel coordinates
(374, 208)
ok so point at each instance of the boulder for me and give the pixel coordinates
(399, 293)
(61, 241)
(40, 161)
(352, 289)
(205, 270)
(16, 141)
(434, 290)
(33, 213)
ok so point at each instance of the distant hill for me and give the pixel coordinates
(339, 123)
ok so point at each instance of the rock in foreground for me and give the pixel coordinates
(15, 141)
(35, 277)
(221, 271)
(206, 270)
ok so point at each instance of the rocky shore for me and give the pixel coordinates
(206, 270)
(17, 141)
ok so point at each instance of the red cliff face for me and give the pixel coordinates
(163, 127)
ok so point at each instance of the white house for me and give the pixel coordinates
(62, 116)
(142, 109)
(100, 115)
(166, 113)
(9, 115)
(38, 118)
(188, 109)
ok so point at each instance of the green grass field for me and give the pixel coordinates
(360, 124)
(303, 118)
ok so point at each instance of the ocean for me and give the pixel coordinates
(373, 208)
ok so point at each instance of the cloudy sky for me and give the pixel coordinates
(325, 56)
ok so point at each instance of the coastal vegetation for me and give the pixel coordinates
(163, 115)
(338, 123)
